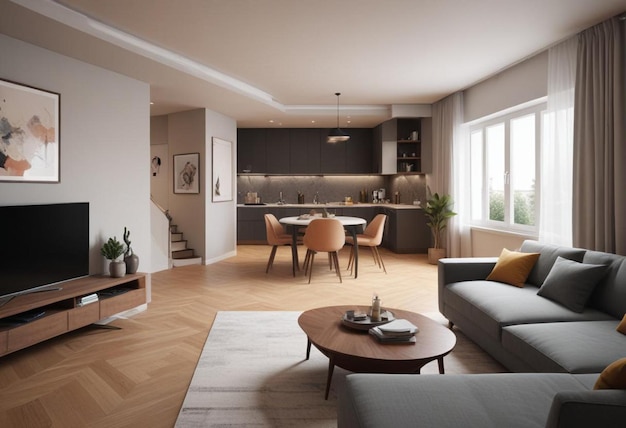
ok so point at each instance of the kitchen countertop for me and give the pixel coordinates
(333, 205)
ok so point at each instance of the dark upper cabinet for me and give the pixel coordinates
(251, 150)
(359, 151)
(333, 155)
(305, 151)
(277, 146)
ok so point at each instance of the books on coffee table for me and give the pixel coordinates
(396, 331)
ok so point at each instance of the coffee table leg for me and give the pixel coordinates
(308, 348)
(440, 362)
(329, 378)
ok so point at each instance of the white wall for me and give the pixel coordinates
(221, 217)
(518, 84)
(104, 145)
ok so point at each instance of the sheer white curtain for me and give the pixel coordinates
(451, 169)
(555, 213)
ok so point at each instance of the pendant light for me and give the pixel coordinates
(337, 135)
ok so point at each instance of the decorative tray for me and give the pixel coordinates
(367, 323)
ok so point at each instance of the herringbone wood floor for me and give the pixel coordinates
(138, 375)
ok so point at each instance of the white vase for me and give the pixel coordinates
(117, 268)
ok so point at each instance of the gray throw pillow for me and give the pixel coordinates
(571, 283)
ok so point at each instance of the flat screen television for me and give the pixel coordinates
(42, 246)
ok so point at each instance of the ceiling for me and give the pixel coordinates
(277, 63)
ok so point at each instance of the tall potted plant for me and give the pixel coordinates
(438, 211)
(112, 250)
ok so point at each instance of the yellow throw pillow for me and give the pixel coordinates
(622, 326)
(513, 267)
(613, 376)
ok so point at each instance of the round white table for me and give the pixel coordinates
(351, 224)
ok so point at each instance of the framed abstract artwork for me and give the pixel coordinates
(187, 173)
(222, 170)
(29, 134)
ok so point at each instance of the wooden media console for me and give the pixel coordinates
(56, 312)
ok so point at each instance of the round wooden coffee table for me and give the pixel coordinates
(358, 351)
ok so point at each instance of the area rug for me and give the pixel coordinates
(253, 372)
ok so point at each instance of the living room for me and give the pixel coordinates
(105, 160)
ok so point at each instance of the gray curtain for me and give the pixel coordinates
(599, 194)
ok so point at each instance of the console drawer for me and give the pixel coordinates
(38, 330)
(123, 302)
(84, 315)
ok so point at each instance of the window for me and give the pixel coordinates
(504, 152)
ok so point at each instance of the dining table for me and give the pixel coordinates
(353, 225)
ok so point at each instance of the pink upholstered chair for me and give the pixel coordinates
(323, 235)
(372, 237)
(275, 236)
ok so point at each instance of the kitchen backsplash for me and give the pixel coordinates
(331, 188)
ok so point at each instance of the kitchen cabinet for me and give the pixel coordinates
(303, 151)
(277, 151)
(396, 149)
(359, 151)
(305, 156)
(251, 150)
(406, 231)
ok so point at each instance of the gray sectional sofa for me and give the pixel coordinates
(557, 352)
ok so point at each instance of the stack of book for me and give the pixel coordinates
(396, 331)
(85, 300)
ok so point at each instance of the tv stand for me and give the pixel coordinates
(63, 313)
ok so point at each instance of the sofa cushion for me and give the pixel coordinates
(513, 267)
(571, 283)
(613, 376)
(548, 254)
(610, 294)
(493, 305)
(476, 400)
(574, 347)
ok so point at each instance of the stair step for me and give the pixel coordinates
(187, 261)
(177, 236)
(173, 228)
(178, 245)
(182, 254)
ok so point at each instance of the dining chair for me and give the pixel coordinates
(372, 237)
(275, 236)
(323, 235)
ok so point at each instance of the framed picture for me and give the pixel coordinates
(29, 134)
(222, 170)
(187, 173)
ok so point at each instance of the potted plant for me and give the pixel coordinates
(438, 211)
(112, 250)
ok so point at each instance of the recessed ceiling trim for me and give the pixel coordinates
(134, 44)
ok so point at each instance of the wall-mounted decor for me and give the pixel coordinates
(187, 173)
(222, 170)
(29, 133)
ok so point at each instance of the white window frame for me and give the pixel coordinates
(538, 108)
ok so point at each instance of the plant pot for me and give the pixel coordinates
(117, 268)
(132, 263)
(434, 254)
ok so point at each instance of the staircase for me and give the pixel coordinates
(181, 255)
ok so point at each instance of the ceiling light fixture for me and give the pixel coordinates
(337, 135)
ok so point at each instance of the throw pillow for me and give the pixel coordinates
(571, 283)
(513, 267)
(622, 326)
(613, 376)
